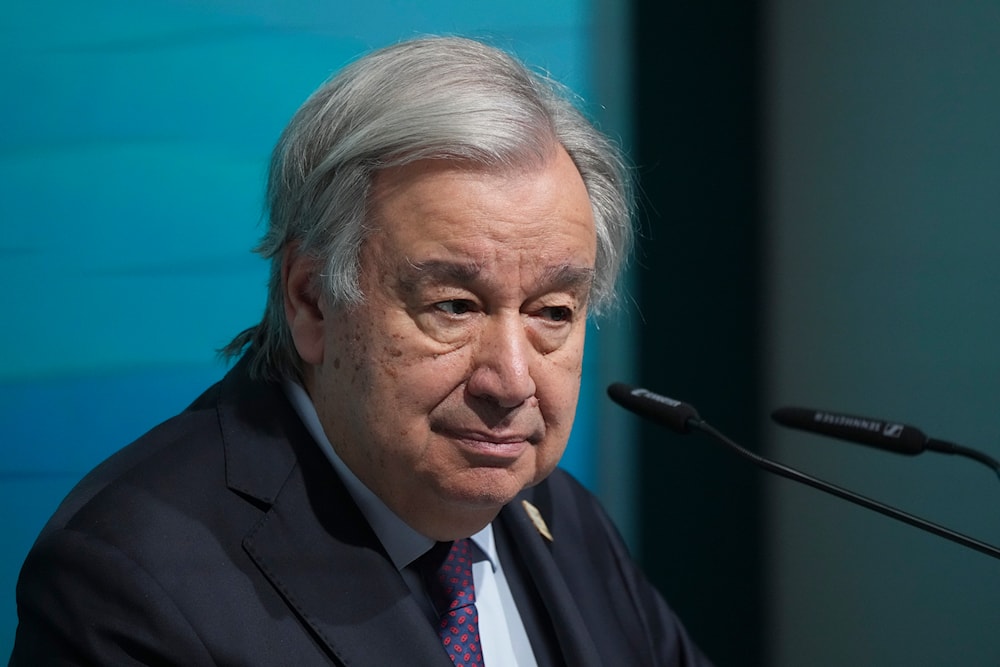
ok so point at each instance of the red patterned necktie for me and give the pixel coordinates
(454, 596)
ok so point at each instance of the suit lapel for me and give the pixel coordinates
(576, 645)
(313, 544)
(317, 551)
(335, 575)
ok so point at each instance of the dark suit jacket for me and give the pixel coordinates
(223, 537)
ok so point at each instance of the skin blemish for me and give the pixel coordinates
(469, 344)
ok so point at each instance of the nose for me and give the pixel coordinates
(501, 367)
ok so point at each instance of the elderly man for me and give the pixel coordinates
(374, 482)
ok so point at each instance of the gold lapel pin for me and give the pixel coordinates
(536, 518)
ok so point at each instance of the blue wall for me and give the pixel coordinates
(131, 169)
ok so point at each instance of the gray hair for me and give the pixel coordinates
(437, 97)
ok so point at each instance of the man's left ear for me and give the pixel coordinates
(302, 308)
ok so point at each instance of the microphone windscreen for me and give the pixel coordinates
(894, 437)
(668, 412)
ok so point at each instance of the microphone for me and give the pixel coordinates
(681, 417)
(666, 411)
(889, 436)
(898, 438)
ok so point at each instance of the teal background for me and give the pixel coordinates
(132, 161)
(882, 267)
(132, 158)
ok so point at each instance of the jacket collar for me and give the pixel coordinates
(322, 557)
(312, 543)
(540, 569)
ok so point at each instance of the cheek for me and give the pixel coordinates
(361, 374)
(560, 374)
(368, 346)
(558, 394)
(558, 390)
(407, 382)
(347, 347)
(405, 357)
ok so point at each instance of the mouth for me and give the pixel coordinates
(491, 448)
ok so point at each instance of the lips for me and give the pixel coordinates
(492, 438)
(493, 446)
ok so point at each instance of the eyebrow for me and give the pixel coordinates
(442, 271)
(569, 277)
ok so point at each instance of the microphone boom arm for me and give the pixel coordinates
(840, 492)
(682, 418)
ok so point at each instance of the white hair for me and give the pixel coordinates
(437, 97)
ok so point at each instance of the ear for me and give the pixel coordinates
(303, 310)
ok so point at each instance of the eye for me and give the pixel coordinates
(455, 307)
(557, 313)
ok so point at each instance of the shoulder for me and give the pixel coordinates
(208, 470)
(567, 504)
(100, 558)
(178, 453)
(585, 543)
(625, 612)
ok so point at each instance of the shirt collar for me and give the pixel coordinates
(401, 542)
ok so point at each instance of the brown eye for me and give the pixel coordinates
(558, 313)
(455, 306)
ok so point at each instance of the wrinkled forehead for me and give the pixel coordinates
(526, 208)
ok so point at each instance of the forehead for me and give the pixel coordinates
(441, 207)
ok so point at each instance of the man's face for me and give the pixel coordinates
(454, 385)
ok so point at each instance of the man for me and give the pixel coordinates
(441, 223)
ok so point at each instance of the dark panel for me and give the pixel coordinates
(698, 154)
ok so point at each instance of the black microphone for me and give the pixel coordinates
(675, 415)
(682, 417)
(898, 438)
(890, 436)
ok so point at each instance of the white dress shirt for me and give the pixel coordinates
(501, 632)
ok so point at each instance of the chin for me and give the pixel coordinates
(490, 487)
